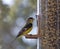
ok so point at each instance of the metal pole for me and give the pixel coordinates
(38, 13)
(37, 7)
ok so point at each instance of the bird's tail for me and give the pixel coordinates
(16, 38)
(13, 40)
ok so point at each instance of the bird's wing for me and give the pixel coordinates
(25, 28)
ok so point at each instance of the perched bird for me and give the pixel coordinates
(27, 28)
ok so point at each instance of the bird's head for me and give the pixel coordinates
(30, 20)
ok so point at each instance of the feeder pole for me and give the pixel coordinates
(39, 14)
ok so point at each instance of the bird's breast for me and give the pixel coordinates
(26, 32)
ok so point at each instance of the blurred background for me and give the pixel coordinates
(13, 15)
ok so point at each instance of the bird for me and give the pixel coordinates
(26, 28)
